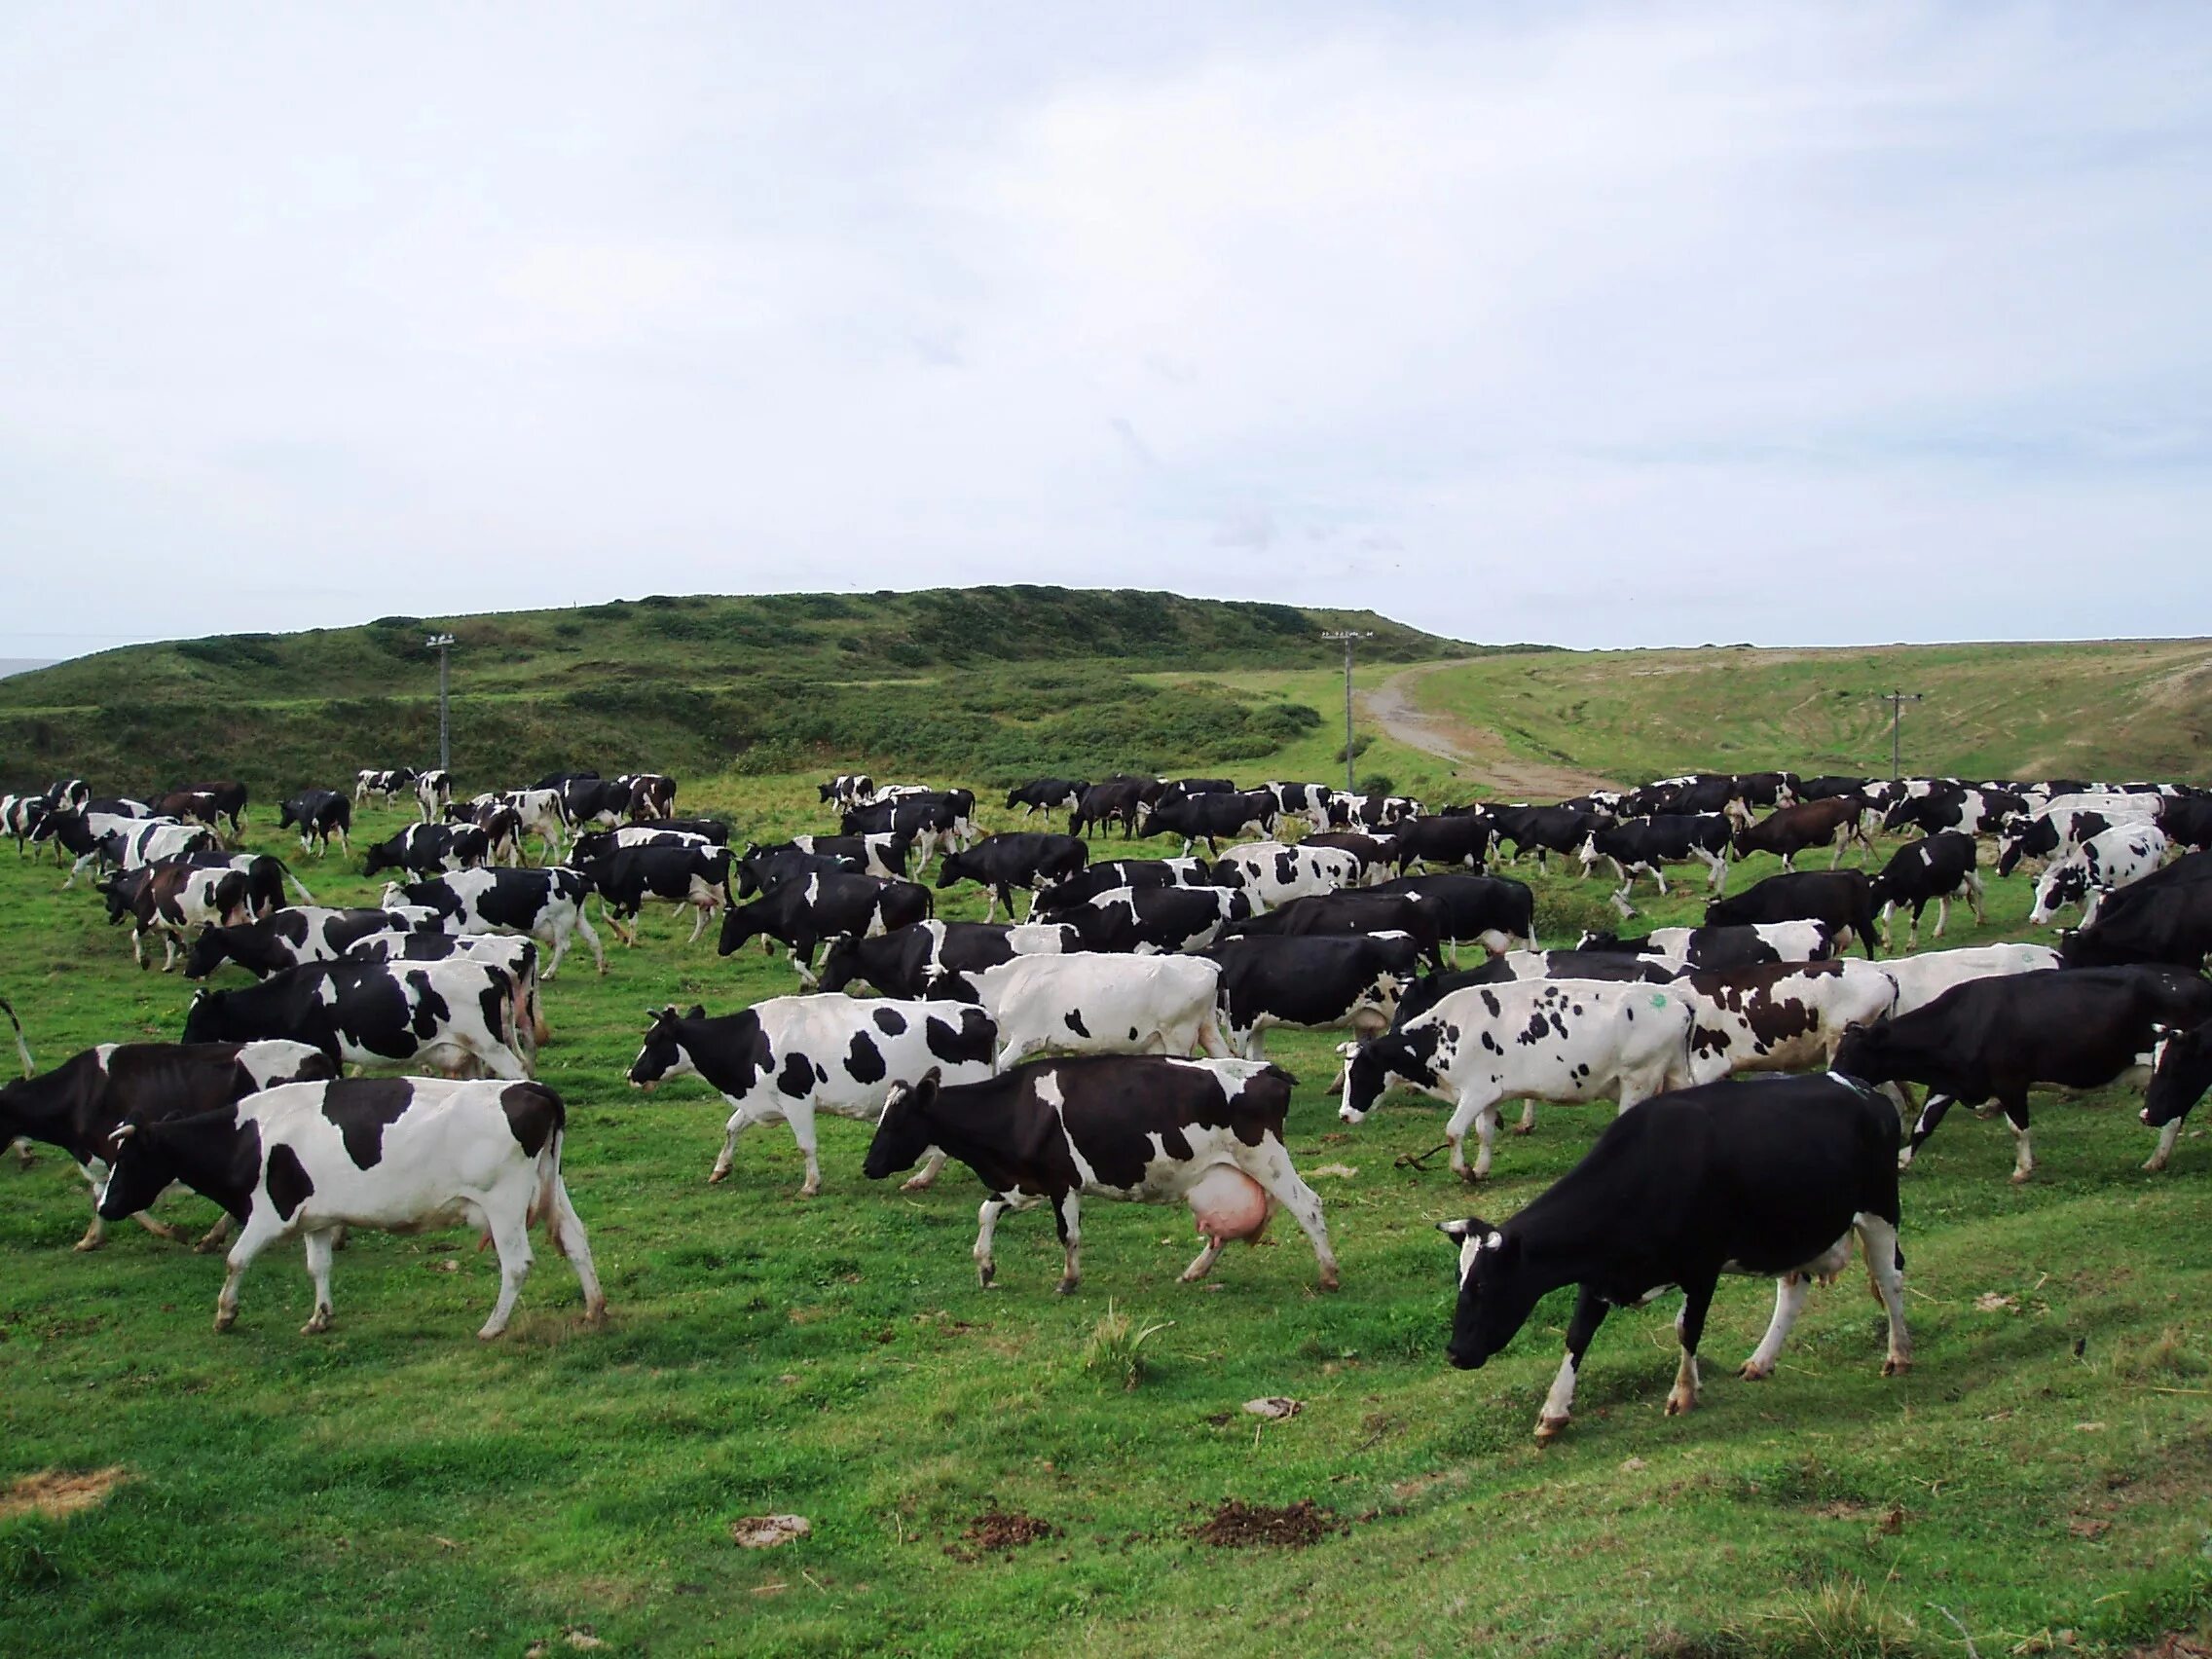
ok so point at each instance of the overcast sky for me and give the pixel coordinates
(1595, 326)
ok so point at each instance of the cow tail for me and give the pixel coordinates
(21, 1048)
(544, 1202)
(929, 903)
(297, 886)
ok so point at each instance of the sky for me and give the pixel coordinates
(1603, 325)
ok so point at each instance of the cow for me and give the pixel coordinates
(191, 806)
(714, 830)
(789, 1057)
(1209, 816)
(2157, 920)
(2105, 863)
(448, 1016)
(652, 794)
(1104, 875)
(1147, 920)
(761, 868)
(2183, 1071)
(80, 1104)
(594, 846)
(561, 780)
(403, 1154)
(69, 794)
(172, 900)
(1307, 802)
(594, 802)
(2066, 823)
(1508, 966)
(1645, 846)
(847, 789)
(1921, 979)
(1829, 785)
(92, 836)
(1362, 910)
(823, 904)
(1940, 867)
(627, 876)
(1116, 800)
(1793, 829)
(1782, 1016)
(879, 853)
(1765, 1177)
(1003, 862)
(1311, 983)
(1841, 899)
(155, 839)
(1182, 788)
(1272, 875)
(430, 849)
(1746, 946)
(547, 904)
(542, 813)
(1372, 812)
(2186, 821)
(1089, 1003)
(286, 938)
(1161, 1131)
(928, 960)
(1697, 796)
(1044, 795)
(266, 878)
(433, 793)
(1995, 1039)
(1968, 810)
(1544, 829)
(385, 784)
(19, 817)
(516, 955)
(1563, 1040)
(318, 814)
(924, 820)
(1374, 853)
(1493, 911)
(1457, 841)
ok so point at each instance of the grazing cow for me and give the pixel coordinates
(1995, 1039)
(547, 904)
(1746, 946)
(1087, 1004)
(433, 794)
(1456, 839)
(2066, 823)
(1783, 1016)
(1311, 983)
(1044, 795)
(926, 960)
(1493, 911)
(516, 957)
(1003, 862)
(627, 876)
(2157, 920)
(402, 1154)
(446, 1016)
(1374, 853)
(1308, 803)
(823, 904)
(1147, 920)
(1104, 875)
(1545, 829)
(320, 814)
(789, 1057)
(1793, 829)
(430, 849)
(171, 899)
(1921, 979)
(2184, 1071)
(1565, 1040)
(652, 794)
(1771, 1176)
(385, 784)
(847, 789)
(2188, 822)
(1272, 875)
(19, 817)
(1360, 912)
(1841, 899)
(2105, 863)
(1645, 846)
(1209, 816)
(80, 1104)
(286, 938)
(1940, 867)
(1210, 1134)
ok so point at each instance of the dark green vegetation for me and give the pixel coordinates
(990, 683)
(396, 1486)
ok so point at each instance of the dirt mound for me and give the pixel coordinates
(59, 1492)
(1000, 1532)
(1238, 1525)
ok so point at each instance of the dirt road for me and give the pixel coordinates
(1475, 753)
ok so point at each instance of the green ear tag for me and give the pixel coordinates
(1658, 999)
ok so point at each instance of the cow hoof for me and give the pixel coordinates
(315, 1326)
(1064, 1287)
(1754, 1372)
(490, 1333)
(717, 1177)
(809, 1190)
(1524, 1128)
(2155, 1164)
(85, 1246)
(1680, 1405)
(1330, 1282)
(1894, 1367)
(1549, 1428)
(224, 1321)
(2021, 1177)
(206, 1246)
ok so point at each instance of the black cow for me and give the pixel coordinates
(189, 805)
(1495, 911)
(1770, 1176)
(1117, 799)
(2183, 1073)
(823, 904)
(1003, 862)
(1940, 867)
(1313, 984)
(1995, 1039)
(1107, 874)
(1043, 794)
(1645, 846)
(318, 814)
(2161, 918)
(1162, 1132)
(1829, 785)
(2186, 821)
(1182, 788)
(936, 959)
(627, 876)
(1145, 920)
(1545, 829)
(430, 849)
(1358, 912)
(1841, 899)
(1461, 839)
(1373, 852)
(587, 799)
(1210, 816)
(286, 938)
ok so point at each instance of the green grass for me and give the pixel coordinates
(396, 1486)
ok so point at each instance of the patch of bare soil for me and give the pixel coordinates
(1000, 1532)
(1479, 755)
(2178, 1645)
(59, 1492)
(1239, 1526)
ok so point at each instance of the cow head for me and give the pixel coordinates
(209, 952)
(663, 1054)
(737, 928)
(1497, 1292)
(842, 964)
(2061, 885)
(902, 1133)
(137, 1173)
(204, 1020)
(2183, 1063)
(955, 866)
(383, 856)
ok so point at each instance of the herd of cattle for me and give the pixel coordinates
(1111, 1042)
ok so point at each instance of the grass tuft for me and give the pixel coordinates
(1114, 1348)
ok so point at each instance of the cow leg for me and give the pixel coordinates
(799, 1114)
(1689, 1327)
(1790, 863)
(1211, 1043)
(803, 962)
(1942, 913)
(258, 1234)
(699, 915)
(1912, 934)
(986, 1223)
(318, 1270)
(1885, 1267)
(1528, 1123)
(25, 1157)
(741, 1119)
(1559, 1404)
(1282, 1184)
(1620, 903)
(1790, 1293)
(1889, 930)
(1067, 1217)
(565, 1230)
(511, 1236)
(1932, 1111)
(2023, 1153)
(932, 1160)
(208, 1242)
(2167, 1136)
(1480, 1114)
(628, 936)
(1974, 899)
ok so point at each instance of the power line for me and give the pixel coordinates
(442, 643)
(1896, 701)
(1348, 634)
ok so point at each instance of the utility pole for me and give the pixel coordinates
(1348, 635)
(442, 642)
(1896, 701)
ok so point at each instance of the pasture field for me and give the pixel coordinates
(2043, 1478)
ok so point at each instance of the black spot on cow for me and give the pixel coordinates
(1490, 1001)
(1538, 1025)
(863, 1062)
(889, 1021)
(431, 1012)
(288, 1184)
(1073, 1020)
(371, 1105)
(1132, 1034)
(533, 1114)
(975, 1038)
(796, 1079)
(1492, 1043)
(1176, 1143)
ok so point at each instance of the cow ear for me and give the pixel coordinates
(1458, 1230)
(932, 1080)
(698, 1011)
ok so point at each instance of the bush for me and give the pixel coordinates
(1377, 784)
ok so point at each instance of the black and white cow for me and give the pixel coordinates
(319, 814)
(1377, 854)
(714, 829)
(447, 1015)
(847, 789)
(2103, 864)
(1645, 846)
(1372, 812)
(1001, 863)
(1544, 829)
(96, 837)
(547, 904)
(1745, 947)
(515, 955)
(1307, 802)
(1782, 1016)
(1493, 911)
(926, 821)
(430, 849)
(1995, 1039)
(1977, 811)
(190, 806)
(1563, 1040)
(1458, 839)
(2184, 1071)
(1272, 875)
(286, 938)
(1211, 817)
(1940, 867)
(1829, 785)
(404, 1154)
(1765, 1177)
(882, 855)
(387, 784)
(1045, 795)
(1836, 822)
(1359, 912)
(1089, 1003)
(19, 817)
(2063, 825)
(174, 901)
(2186, 821)
(80, 1104)
(823, 904)
(1161, 1131)
(652, 794)
(929, 960)
(265, 879)
(1920, 979)
(155, 839)
(1842, 900)
(1147, 920)
(69, 794)
(2165, 917)
(433, 794)
(1313, 984)
(789, 1057)
(1104, 875)
(698, 876)
(594, 803)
